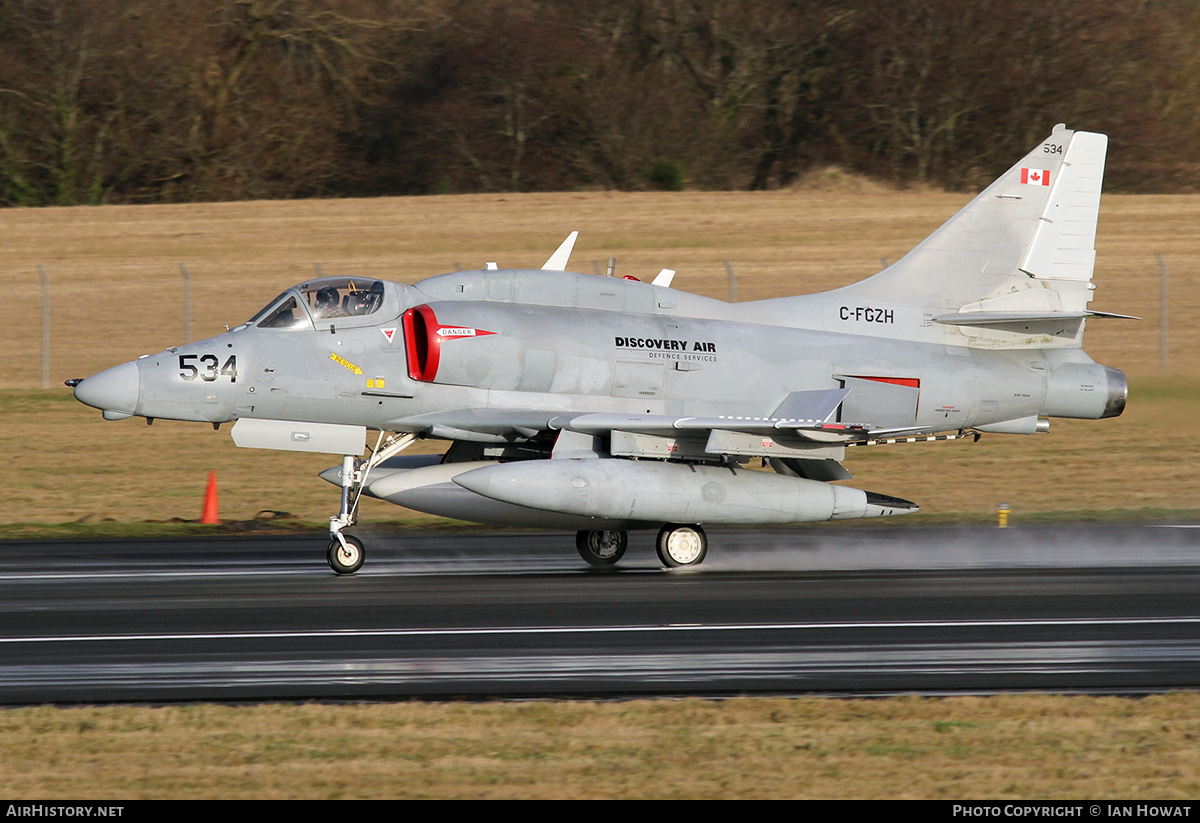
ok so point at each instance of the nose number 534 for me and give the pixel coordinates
(204, 366)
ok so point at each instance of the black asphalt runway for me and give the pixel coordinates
(862, 609)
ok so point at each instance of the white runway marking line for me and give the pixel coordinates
(670, 627)
(404, 568)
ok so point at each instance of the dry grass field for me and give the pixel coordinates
(117, 292)
(1003, 748)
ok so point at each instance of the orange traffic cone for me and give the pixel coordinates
(210, 515)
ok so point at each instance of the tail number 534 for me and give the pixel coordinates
(204, 366)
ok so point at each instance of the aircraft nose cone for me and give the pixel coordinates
(114, 391)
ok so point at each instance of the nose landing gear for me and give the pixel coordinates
(346, 553)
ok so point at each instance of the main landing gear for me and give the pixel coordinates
(678, 546)
(602, 548)
(346, 553)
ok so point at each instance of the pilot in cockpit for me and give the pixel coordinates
(328, 303)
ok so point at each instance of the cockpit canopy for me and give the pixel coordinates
(326, 301)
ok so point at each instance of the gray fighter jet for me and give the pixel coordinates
(601, 405)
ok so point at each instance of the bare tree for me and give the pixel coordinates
(218, 99)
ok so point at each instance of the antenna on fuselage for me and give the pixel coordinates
(558, 260)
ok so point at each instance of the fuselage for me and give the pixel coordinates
(561, 342)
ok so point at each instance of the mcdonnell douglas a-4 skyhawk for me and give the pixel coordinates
(601, 405)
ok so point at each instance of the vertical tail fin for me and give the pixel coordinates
(1020, 252)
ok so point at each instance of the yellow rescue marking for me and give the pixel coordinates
(344, 362)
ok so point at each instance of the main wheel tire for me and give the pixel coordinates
(602, 548)
(681, 546)
(346, 560)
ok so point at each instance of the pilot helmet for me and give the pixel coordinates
(327, 298)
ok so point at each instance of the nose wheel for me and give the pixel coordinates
(680, 546)
(346, 554)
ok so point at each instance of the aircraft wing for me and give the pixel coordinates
(662, 425)
(485, 424)
(803, 415)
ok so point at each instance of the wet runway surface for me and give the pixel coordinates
(863, 610)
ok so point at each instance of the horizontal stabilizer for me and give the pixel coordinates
(1000, 318)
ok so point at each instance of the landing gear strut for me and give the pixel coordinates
(681, 545)
(602, 548)
(346, 553)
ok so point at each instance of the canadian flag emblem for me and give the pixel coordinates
(1035, 177)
